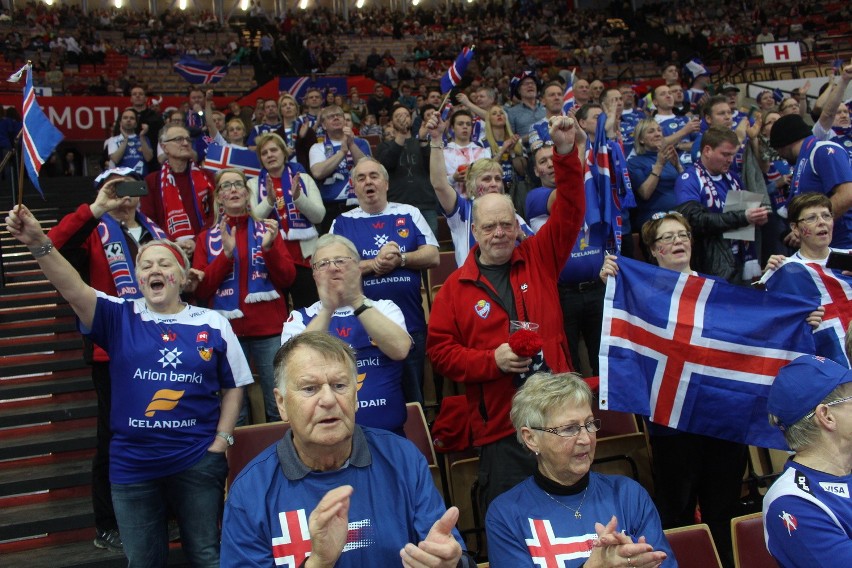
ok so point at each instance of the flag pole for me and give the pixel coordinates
(21, 157)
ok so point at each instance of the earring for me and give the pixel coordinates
(536, 453)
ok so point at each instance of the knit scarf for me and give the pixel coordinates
(348, 162)
(744, 251)
(294, 225)
(178, 225)
(118, 254)
(226, 301)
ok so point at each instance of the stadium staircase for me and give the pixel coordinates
(47, 410)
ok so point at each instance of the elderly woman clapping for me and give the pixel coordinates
(564, 499)
(177, 372)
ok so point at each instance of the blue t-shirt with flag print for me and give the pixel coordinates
(404, 225)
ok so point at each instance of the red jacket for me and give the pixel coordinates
(467, 322)
(77, 238)
(259, 319)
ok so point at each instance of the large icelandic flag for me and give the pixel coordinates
(223, 157)
(198, 72)
(39, 137)
(697, 354)
(831, 289)
(454, 74)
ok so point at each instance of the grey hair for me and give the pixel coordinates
(543, 392)
(382, 170)
(165, 243)
(329, 239)
(165, 131)
(805, 432)
(330, 348)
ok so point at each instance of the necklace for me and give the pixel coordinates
(166, 333)
(577, 514)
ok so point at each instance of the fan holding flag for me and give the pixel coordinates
(39, 136)
(664, 354)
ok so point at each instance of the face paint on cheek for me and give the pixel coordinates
(143, 281)
(806, 232)
(661, 251)
(171, 280)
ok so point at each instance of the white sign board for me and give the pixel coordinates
(782, 52)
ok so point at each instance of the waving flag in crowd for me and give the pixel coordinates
(454, 74)
(199, 72)
(697, 354)
(222, 157)
(568, 98)
(828, 287)
(39, 137)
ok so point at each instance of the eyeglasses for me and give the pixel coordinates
(334, 115)
(572, 430)
(832, 403)
(815, 218)
(179, 140)
(229, 185)
(338, 262)
(669, 238)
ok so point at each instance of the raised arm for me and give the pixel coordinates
(447, 195)
(25, 227)
(834, 98)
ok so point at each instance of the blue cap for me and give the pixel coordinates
(801, 385)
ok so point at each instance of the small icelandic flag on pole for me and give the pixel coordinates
(454, 74)
(39, 137)
(568, 98)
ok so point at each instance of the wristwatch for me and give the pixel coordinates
(365, 305)
(402, 260)
(227, 437)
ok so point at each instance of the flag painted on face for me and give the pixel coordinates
(199, 72)
(826, 287)
(696, 354)
(454, 74)
(39, 137)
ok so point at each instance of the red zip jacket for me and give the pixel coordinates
(467, 322)
(259, 319)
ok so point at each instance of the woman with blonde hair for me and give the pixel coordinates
(286, 193)
(505, 146)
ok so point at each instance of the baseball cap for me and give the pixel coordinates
(801, 385)
(101, 180)
(787, 130)
(730, 87)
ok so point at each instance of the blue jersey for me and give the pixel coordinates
(381, 403)
(807, 518)
(671, 124)
(404, 225)
(132, 157)
(821, 167)
(260, 129)
(167, 371)
(689, 188)
(586, 258)
(394, 502)
(527, 527)
(663, 198)
(336, 186)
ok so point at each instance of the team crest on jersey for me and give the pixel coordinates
(482, 308)
(402, 232)
(790, 522)
(206, 353)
